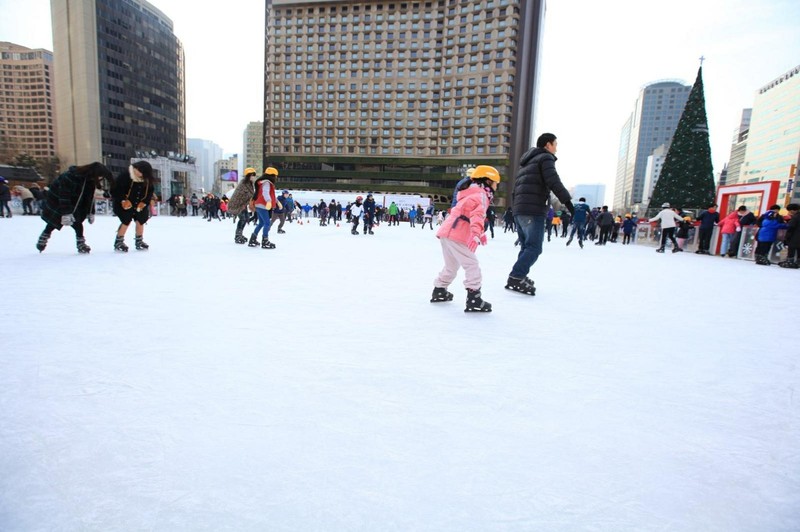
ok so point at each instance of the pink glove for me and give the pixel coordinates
(483, 239)
(473, 244)
(738, 229)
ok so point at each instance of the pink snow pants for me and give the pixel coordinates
(458, 255)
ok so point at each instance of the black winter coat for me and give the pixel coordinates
(536, 179)
(70, 193)
(126, 188)
(793, 232)
(5, 192)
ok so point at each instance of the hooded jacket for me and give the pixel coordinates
(768, 224)
(667, 217)
(467, 218)
(536, 179)
(729, 224)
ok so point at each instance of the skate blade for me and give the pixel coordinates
(477, 310)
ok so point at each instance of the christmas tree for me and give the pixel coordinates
(687, 179)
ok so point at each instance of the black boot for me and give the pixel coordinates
(441, 294)
(119, 244)
(253, 241)
(524, 286)
(660, 250)
(762, 260)
(266, 244)
(676, 249)
(80, 242)
(140, 244)
(475, 303)
(42, 242)
(239, 238)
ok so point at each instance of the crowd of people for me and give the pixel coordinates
(69, 201)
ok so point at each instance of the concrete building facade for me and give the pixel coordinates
(119, 81)
(738, 149)
(652, 123)
(398, 96)
(253, 143)
(27, 104)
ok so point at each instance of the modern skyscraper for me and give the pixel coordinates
(738, 149)
(119, 81)
(651, 124)
(27, 116)
(398, 96)
(773, 140)
(254, 146)
(595, 194)
(206, 153)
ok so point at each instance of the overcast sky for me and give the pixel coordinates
(596, 56)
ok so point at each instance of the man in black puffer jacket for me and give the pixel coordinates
(536, 179)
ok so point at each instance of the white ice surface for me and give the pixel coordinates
(208, 386)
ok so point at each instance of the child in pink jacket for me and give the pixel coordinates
(461, 234)
(728, 227)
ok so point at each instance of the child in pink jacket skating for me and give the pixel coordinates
(460, 235)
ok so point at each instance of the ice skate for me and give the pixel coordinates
(762, 260)
(80, 242)
(569, 241)
(253, 241)
(240, 239)
(660, 250)
(475, 303)
(789, 264)
(354, 232)
(42, 242)
(266, 244)
(441, 294)
(119, 244)
(370, 232)
(281, 232)
(523, 286)
(140, 244)
(676, 249)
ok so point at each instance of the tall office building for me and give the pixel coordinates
(27, 116)
(224, 182)
(773, 140)
(652, 171)
(595, 194)
(738, 149)
(206, 153)
(119, 81)
(398, 96)
(253, 140)
(651, 124)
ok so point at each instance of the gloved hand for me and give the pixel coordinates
(90, 218)
(476, 240)
(140, 206)
(738, 229)
(67, 219)
(126, 204)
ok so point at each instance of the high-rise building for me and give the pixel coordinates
(653, 171)
(398, 96)
(119, 82)
(595, 194)
(738, 149)
(223, 179)
(254, 146)
(651, 124)
(773, 140)
(206, 153)
(27, 115)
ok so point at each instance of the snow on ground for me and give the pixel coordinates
(208, 386)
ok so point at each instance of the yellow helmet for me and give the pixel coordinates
(248, 171)
(489, 172)
(271, 171)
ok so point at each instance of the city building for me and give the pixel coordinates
(652, 123)
(253, 142)
(206, 153)
(27, 114)
(773, 139)
(119, 82)
(398, 96)
(653, 170)
(595, 194)
(226, 175)
(738, 149)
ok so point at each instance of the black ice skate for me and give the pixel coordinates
(240, 239)
(119, 244)
(266, 244)
(80, 242)
(441, 294)
(370, 232)
(140, 244)
(42, 242)
(281, 232)
(253, 241)
(660, 250)
(762, 260)
(475, 303)
(676, 249)
(789, 264)
(523, 286)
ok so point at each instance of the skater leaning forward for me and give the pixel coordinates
(70, 201)
(263, 202)
(460, 235)
(240, 199)
(131, 195)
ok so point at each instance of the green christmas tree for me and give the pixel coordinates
(687, 179)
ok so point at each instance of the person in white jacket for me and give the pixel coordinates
(668, 217)
(356, 209)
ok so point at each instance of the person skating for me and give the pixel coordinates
(606, 223)
(262, 202)
(768, 225)
(427, 218)
(536, 179)
(628, 227)
(131, 195)
(708, 219)
(240, 199)
(356, 209)
(70, 200)
(369, 214)
(667, 217)
(461, 234)
(281, 210)
(5, 199)
(579, 219)
(792, 238)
